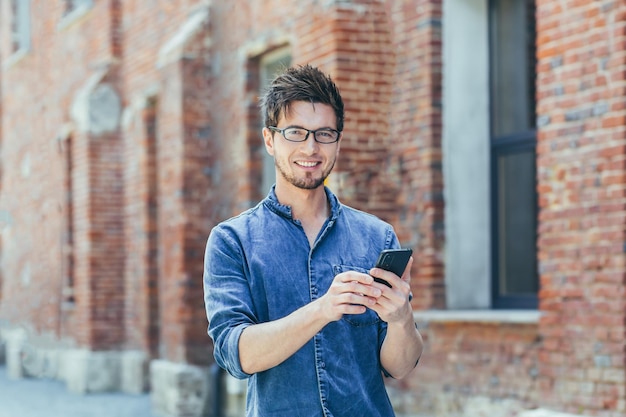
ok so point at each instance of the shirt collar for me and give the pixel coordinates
(271, 202)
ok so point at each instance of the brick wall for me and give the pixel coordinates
(141, 229)
(34, 198)
(465, 359)
(580, 157)
(416, 142)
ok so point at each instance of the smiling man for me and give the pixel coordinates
(289, 286)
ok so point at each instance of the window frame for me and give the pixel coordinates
(69, 16)
(19, 28)
(267, 60)
(517, 142)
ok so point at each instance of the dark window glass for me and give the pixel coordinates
(513, 155)
(271, 66)
(518, 221)
(20, 25)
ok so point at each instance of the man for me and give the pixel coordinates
(289, 285)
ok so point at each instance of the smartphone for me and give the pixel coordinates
(394, 260)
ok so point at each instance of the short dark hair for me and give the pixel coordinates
(302, 83)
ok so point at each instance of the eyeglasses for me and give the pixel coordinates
(300, 134)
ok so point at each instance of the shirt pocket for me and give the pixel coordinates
(370, 317)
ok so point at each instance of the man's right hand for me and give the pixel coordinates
(350, 293)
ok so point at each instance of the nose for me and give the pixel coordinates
(310, 144)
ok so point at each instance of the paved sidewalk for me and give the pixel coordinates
(50, 398)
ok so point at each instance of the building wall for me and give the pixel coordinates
(580, 169)
(415, 122)
(36, 125)
(129, 131)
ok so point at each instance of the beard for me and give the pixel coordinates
(306, 183)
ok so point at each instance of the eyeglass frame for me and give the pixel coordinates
(308, 132)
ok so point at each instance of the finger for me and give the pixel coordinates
(363, 290)
(406, 275)
(388, 276)
(351, 276)
(353, 309)
(397, 294)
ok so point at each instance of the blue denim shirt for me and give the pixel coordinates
(260, 267)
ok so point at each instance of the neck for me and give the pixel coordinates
(305, 204)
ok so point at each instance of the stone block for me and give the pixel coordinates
(135, 372)
(15, 346)
(85, 371)
(179, 390)
(39, 362)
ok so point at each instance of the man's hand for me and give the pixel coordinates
(393, 304)
(403, 344)
(350, 293)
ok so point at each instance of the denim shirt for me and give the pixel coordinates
(260, 267)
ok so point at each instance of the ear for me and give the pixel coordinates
(268, 140)
(339, 143)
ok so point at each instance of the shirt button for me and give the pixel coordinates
(322, 365)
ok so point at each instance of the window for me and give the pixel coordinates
(71, 6)
(261, 69)
(20, 25)
(271, 65)
(512, 143)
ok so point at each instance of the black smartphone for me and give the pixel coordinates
(394, 260)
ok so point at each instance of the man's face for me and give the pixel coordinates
(307, 164)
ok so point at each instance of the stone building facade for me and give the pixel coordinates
(129, 128)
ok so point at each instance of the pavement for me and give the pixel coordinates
(32, 397)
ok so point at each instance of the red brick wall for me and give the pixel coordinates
(141, 228)
(464, 359)
(167, 210)
(580, 157)
(35, 116)
(416, 143)
(362, 67)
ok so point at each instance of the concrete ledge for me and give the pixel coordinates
(542, 412)
(179, 390)
(478, 316)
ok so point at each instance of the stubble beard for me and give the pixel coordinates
(306, 183)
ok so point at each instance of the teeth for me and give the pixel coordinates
(307, 164)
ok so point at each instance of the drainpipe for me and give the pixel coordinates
(217, 390)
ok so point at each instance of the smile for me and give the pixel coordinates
(307, 164)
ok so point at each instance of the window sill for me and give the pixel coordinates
(74, 15)
(478, 316)
(15, 57)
